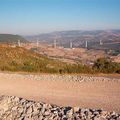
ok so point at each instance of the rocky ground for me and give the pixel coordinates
(57, 77)
(14, 108)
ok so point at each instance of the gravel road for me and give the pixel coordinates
(65, 90)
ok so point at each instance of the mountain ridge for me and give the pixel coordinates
(110, 39)
(11, 38)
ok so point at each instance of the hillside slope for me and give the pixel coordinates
(20, 59)
(9, 38)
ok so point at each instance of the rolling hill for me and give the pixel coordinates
(20, 59)
(109, 38)
(9, 38)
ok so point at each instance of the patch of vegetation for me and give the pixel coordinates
(106, 66)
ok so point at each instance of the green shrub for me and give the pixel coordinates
(106, 66)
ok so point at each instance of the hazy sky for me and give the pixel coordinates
(39, 16)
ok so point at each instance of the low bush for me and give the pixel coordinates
(106, 66)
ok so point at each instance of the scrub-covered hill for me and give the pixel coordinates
(20, 59)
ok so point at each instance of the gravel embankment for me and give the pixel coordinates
(14, 108)
(54, 77)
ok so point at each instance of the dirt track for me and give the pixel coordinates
(89, 94)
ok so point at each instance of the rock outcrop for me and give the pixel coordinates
(14, 108)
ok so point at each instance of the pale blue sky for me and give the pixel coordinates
(39, 16)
